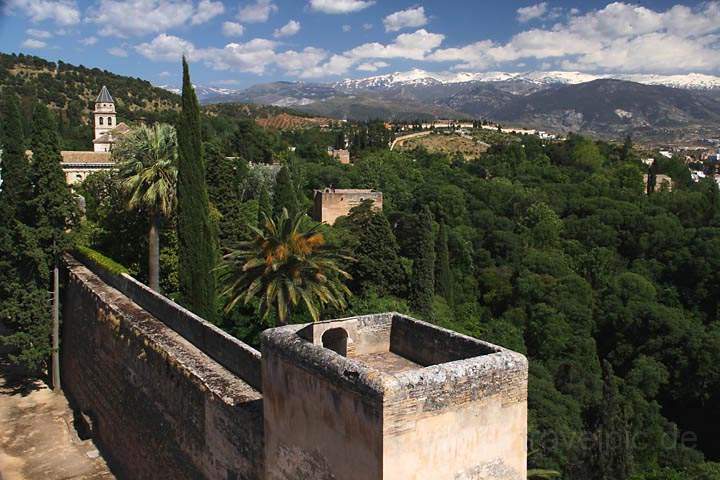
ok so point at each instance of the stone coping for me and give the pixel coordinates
(132, 319)
(238, 357)
(480, 371)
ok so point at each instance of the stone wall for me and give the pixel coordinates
(158, 406)
(330, 203)
(319, 426)
(420, 342)
(168, 395)
(466, 420)
(231, 353)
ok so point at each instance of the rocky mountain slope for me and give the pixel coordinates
(610, 107)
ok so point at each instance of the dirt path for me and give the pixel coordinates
(37, 438)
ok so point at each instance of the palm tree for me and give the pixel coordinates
(147, 169)
(285, 267)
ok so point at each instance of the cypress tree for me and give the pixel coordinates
(443, 274)
(14, 166)
(224, 177)
(423, 281)
(285, 195)
(614, 452)
(30, 247)
(377, 266)
(197, 235)
(265, 206)
(627, 148)
(52, 207)
(652, 177)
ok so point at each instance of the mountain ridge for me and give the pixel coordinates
(419, 77)
(573, 101)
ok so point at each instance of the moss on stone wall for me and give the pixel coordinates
(100, 260)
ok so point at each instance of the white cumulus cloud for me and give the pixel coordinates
(35, 33)
(62, 12)
(410, 18)
(87, 41)
(620, 37)
(257, 12)
(340, 6)
(125, 18)
(254, 56)
(411, 46)
(33, 43)
(117, 52)
(525, 14)
(372, 66)
(207, 10)
(297, 63)
(167, 48)
(232, 29)
(287, 30)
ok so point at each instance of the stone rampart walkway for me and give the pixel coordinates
(37, 438)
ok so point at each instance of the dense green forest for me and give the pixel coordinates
(552, 249)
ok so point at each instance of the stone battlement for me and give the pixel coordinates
(169, 395)
(413, 399)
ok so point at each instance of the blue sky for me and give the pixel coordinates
(238, 43)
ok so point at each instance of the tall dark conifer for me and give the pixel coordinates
(52, 206)
(14, 166)
(377, 265)
(613, 449)
(265, 205)
(197, 235)
(32, 244)
(652, 177)
(285, 195)
(443, 274)
(224, 176)
(422, 286)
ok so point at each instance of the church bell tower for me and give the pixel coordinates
(105, 119)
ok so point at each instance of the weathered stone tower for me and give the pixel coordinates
(389, 397)
(105, 119)
(331, 203)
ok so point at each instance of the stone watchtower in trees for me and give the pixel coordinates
(105, 120)
(388, 397)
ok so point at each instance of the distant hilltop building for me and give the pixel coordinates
(331, 203)
(342, 155)
(77, 165)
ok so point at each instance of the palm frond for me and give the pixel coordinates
(287, 265)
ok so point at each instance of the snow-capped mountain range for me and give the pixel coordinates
(202, 91)
(419, 77)
(551, 100)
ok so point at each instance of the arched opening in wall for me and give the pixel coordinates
(335, 339)
(101, 120)
(109, 120)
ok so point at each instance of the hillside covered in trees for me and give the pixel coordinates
(551, 249)
(70, 92)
